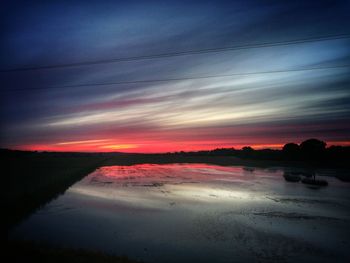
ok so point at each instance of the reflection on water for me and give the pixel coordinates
(197, 212)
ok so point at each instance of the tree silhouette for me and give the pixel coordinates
(313, 145)
(291, 147)
(313, 148)
(291, 150)
(247, 149)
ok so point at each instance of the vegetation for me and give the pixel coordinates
(21, 251)
(32, 179)
(310, 152)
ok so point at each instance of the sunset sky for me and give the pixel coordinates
(62, 108)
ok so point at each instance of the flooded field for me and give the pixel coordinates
(198, 213)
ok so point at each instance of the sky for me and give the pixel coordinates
(62, 108)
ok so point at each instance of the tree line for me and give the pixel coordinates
(308, 150)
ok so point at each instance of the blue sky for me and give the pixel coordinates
(260, 110)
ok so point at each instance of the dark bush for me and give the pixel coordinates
(313, 148)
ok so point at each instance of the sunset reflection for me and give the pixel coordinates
(152, 185)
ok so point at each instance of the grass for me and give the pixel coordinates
(33, 179)
(24, 251)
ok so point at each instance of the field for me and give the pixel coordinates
(34, 180)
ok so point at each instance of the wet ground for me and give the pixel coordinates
(198, 213)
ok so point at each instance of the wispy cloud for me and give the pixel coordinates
(204, 113)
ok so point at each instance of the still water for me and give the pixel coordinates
(198, 213)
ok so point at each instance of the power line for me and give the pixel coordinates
(178, 53)
(179, 79)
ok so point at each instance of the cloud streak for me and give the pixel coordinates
(265, 109)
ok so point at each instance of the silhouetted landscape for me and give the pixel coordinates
(34, 178)
(175, 131)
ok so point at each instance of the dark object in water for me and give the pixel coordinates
(308, 174)
(289, 177)
(294, 172)
(248, 169)
(314, 182)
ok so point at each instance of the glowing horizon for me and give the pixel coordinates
(134, 148)
(55, 111)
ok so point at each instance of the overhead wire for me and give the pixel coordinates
(176, 53)
(180, 79)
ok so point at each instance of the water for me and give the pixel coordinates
(197, 213)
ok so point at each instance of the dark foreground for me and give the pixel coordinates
(34, 179)
(204, 213)
(24, 251)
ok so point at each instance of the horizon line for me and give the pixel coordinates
(254, 147)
